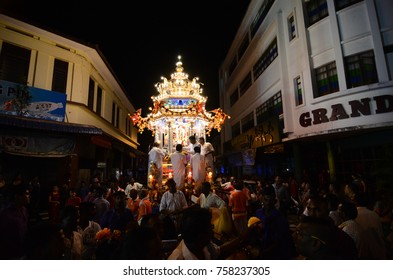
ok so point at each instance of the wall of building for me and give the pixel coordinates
(85, 63)
(359, 27)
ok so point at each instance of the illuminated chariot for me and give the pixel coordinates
(178, 112)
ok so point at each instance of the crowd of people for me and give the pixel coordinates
(227, 219)
(274, 218)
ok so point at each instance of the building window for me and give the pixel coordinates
(327, 80)
(117, 116)
(128, 126)
(245, 84)
(298, 91)
(389, 58)
(234, 97)
(60, 74)
(260, 16)
(316, 10)
(360, 69)
(291, 27)
(243, 46)
(272, 107)
(248, 122)
(14, 63)
(99, 100)
(235, 129)
(90, 99)
(232, 66)
(341, 4)
(113, 113)
(266, 59)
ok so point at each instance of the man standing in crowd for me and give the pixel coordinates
(198, 167)
(156, 157)
(132, 185)
(179, 163)
(190, 148)
(207, 150)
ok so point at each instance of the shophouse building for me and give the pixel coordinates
(72, 122)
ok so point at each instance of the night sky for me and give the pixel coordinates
(141, 40)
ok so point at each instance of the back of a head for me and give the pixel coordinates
(238, 184)
(361, 199)
(133, 194)
(179, 147)
(171, 185)
(349, 210)
(143, 193)
(156, 144)
(194, 223)
(206, 187)
(197, 149)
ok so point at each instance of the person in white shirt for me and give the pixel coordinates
(198, 167)
(156, 157)
(210, 198)
(173, 200)
(132, 185)
(179, 163)
(207, 150)
(190, 147)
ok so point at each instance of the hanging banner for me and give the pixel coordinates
(37, 146)
(43, 104)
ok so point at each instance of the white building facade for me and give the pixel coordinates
(308, 86)
(91, 134)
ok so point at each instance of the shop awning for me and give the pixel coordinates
(47, 125)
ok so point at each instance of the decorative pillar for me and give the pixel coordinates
(170, 138)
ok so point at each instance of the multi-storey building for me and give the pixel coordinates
(308, 85)
(74, 123)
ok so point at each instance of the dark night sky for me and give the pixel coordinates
(141, 41)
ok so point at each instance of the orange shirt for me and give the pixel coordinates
(145, 208)
(133, 205)
(238, 202)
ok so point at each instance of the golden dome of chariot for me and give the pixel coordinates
(179, 100)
